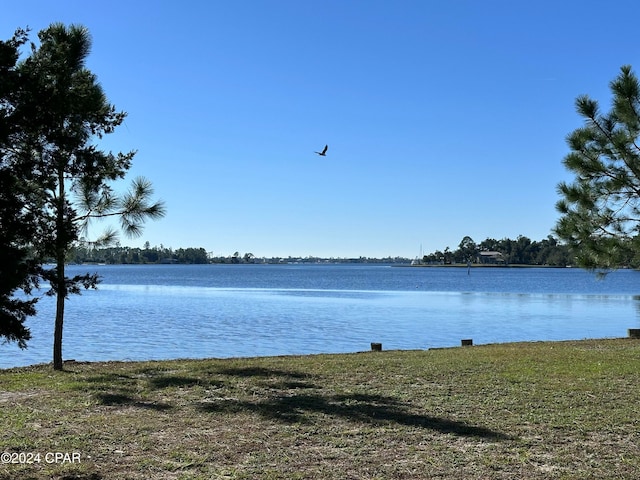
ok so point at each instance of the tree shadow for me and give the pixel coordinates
(169, 381)
(276, 379)
(121, 399)
(116, 389)
(261, 372)
(291, 407)
(293, 397)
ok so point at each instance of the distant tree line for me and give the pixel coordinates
(147, 254)
(521, 251)
(118, 255)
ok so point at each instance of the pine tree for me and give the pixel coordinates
(18, 270)
(63, 111)
(601, 208)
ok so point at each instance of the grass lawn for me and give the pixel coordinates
(528, 410)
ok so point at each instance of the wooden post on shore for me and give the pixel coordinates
(467, 342)
(376, 347)
(634, 333)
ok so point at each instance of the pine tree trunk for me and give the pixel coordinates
(57, 334)
(61, 287)
(61, 294)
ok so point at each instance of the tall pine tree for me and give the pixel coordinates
(64, 111)
(600, 209)
(19, 270)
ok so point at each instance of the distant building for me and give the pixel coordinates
(491, 258)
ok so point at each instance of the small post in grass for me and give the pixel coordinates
(376, 347)
(467, 342)
(634, 333)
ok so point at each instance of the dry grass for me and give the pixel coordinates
(531, 410)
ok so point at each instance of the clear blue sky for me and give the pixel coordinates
(443, 118)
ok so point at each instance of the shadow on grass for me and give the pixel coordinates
(116, 389)
(261, 372)
(371, 409)
(273, 378)
(169, 381)
(120, 399)
(289, 406)
(290, 397)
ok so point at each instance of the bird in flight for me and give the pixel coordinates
(323, 153)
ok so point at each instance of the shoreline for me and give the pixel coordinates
(321, 354)
(481, 265)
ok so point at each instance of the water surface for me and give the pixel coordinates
(178, 311)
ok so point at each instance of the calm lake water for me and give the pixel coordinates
(180, 311)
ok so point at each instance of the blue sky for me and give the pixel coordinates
(443, 118)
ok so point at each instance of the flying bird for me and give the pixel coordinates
(323, 153)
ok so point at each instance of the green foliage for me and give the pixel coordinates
(58, 111)
(18, 271)
(467, 250)
(127, 255)
(521, 251)
(601, 208)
